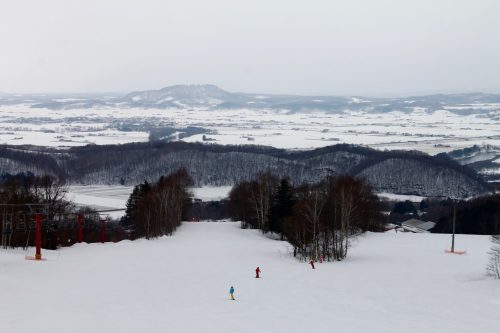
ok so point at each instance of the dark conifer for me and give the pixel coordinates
(282, 207)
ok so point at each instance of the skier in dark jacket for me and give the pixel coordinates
(231, 292)
(312, 263)
(257, 272)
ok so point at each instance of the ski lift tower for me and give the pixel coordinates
(452, 250)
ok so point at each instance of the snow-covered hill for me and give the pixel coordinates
(388, 171)
(179, 96)
(211, 97)
(391, 283)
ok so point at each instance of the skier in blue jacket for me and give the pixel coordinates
(231, 292)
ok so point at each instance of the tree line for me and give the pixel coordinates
(157, 209)
(28, 188)
(23, 195)
(318, 220)
(478, 216)
(153, 209)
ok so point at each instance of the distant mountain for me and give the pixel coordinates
(61, 101)
(388, 171)
(212, 97)
(179, 96)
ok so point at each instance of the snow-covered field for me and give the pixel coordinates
(400, 197)
(211, 193)
(390, 283)
(432, 132)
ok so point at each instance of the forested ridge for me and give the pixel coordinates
(407, 172)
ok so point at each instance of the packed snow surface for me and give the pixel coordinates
(392, 282)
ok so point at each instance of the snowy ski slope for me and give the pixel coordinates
(390, 283)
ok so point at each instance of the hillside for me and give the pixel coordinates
(403, 172)
(181, 283)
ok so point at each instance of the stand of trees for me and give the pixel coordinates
(152, 210)
(208, 210)
(316, 219)
(28, 188)
(157, 209)
(24, 195)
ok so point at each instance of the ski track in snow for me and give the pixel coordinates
(390, 283)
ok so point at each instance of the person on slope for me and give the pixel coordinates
(231, 292)
(257, 272)
(312, 263)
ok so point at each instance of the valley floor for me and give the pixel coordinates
(390, 283)
(430, 132)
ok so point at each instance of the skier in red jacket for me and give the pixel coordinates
(312, 263)
(257, 271)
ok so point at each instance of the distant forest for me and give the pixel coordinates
(404, 172)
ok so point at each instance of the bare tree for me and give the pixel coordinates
(51, 191)
(312, 203)
(159, 211)
(261, 193)
(494, 262)
(240, 205)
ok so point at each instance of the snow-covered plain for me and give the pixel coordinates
(400, 197)
(211, 193)
(390, 283)
(431, 132)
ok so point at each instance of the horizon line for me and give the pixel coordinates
(372, 95)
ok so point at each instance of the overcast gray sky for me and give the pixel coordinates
(369, 47)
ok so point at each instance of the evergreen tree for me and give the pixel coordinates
(130, 207)
(131, 211)
(282, 206)
(424, 204)
(405, 207)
